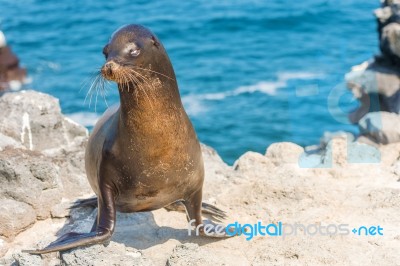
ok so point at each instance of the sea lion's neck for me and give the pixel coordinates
(144, 104)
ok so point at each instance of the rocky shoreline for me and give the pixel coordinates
(42, 173)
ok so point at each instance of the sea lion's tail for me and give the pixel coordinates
(208, 210)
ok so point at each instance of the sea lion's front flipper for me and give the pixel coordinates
(102, 230)
(73, 240)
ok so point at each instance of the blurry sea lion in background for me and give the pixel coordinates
(11, 74)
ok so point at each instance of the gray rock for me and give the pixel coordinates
(390, 40)
(99, 255)
(214, 166)
(14, 217)
(284, 153)
(18, 168)
(328, 136)
(6, 141)
(41, 159)
(381, 127)
(25, 259)
(340, 152)
(35, 120)
(376, 85)
(253, 161)
(61, 210)
(192, 254)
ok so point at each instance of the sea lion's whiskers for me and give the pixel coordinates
(146, 69)
(92, 79)
(96, 85)
(144, 79)
(97, 95)
(103, 91)
(136, 81)
(120, 81)
(125, 80)
(91, 88)
(140, 86)
(88, 79)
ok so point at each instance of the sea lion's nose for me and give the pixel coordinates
(108, 68)
(109, 65)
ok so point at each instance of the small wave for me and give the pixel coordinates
(193, 102)
(47, 65)
(285, 76)
(193, 105)
(84, 118)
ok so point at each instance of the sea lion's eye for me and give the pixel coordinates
(134, 52)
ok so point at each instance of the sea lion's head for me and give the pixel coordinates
(134, 53)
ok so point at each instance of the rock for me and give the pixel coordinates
(328, 136)
(4, 246)
(25, 259)
(396, 168)
(100, 255)
(268, 188)
(61, 210)
(14, 217)
(340, 152)
(214, 166)
(383, 15)
(376, 84)
(217, 173)
(390, 154)
(18, 168)
(253, 161)
(390, 40)
(41, 159)
(381, 127)
(284, 153)
(6, 141)
(35, 120)
(376, 87)
(192, 254)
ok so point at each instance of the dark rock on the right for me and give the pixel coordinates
(376, 83)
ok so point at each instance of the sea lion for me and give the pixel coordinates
(144, 154)
(12, 75)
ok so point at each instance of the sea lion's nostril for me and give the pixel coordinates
(109, 66)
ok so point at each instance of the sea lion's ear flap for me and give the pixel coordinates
(105, 50)
(154, 41)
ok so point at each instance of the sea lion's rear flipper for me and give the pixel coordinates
(208, 210)
(81, 203)
(194, 207)
(101, 231)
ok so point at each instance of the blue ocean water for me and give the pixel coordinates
(250, 72)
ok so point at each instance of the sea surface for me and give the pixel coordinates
(250, 73)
